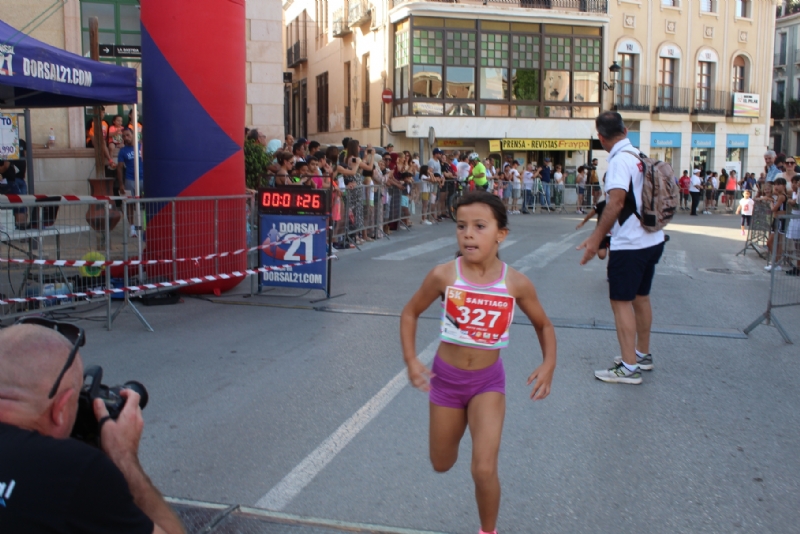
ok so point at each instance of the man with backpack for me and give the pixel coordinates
(641, 197)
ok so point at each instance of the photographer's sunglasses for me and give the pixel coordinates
(73, 333)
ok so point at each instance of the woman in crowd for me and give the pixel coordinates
(355, 192)
(730, 190)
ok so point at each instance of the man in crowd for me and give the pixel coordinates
(545, 175)
(771, 168)
(48, 482)
(288, 142)
(126, 177)
(435, 163)
(594, 181)
(633, 256)
(478, 172)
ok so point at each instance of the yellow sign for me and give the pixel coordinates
(540, 144)
(9, 137)
(450, 143)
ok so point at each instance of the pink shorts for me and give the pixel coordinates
(452, 387)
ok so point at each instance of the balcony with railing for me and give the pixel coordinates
(632, 97)
(365, 114)
(708, 102)
(297, 53)
(779, 59)
(671, 99)
(340, 25)
(582, 6)
(359, 12)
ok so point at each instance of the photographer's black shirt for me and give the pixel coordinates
(50, 485)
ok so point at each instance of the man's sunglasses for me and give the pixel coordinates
(73, 333)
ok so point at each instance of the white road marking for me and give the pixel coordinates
(292, 484)
(672, 262)
(418, 250)
(543, 255)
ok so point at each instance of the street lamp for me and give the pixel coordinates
(615, 69)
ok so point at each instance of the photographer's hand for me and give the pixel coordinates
(120, 441)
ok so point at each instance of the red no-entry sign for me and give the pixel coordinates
(387, 96)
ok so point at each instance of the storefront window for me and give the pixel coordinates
(587, 87)
(459, 110)
(460, 83)
(525, 111)
(426, 108)
(556, 111)
(528, 64)
(525, 84)
(427, 81)
(556, 85)
(494, 84)
(494, 110)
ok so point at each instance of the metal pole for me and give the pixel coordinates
(136, 176)
(98, 140)
(108, 269)
(29, 151)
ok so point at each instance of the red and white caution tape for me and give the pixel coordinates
(115, 263)
(175, 283)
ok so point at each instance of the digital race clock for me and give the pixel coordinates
(294, 201)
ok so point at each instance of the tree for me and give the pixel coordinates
(256, 161)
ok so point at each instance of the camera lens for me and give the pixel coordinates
(144, 397)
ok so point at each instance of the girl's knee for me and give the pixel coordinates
(443, 465)
(484, 470)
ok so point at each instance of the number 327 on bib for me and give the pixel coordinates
(476, 318)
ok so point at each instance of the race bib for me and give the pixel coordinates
(475, 318)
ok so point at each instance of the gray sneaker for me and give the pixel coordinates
(619, 375)
(645, 362)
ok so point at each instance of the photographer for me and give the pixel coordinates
(51, 483)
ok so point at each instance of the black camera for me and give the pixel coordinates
(87, 428)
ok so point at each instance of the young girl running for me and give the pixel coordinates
(467, 381)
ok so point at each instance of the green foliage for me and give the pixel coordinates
(526, 84)
(794, 109)
(256, 161)
(778, 111)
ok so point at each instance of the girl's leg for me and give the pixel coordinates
(486, 413)
(446, 430)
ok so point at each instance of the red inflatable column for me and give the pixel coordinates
(193, 70)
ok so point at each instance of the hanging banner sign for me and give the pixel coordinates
(9, 137)
(746, 105)
(296, 261)
(542, 144)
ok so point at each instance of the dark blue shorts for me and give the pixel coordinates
(630, 272)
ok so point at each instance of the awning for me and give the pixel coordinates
(36, 75)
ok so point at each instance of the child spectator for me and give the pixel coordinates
(746, 209)
(558, 176)
(602, 251)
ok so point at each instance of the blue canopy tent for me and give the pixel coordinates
(34, 74)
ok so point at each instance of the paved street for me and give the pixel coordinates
(273, 401)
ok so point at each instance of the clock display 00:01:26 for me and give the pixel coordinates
(298, 200)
